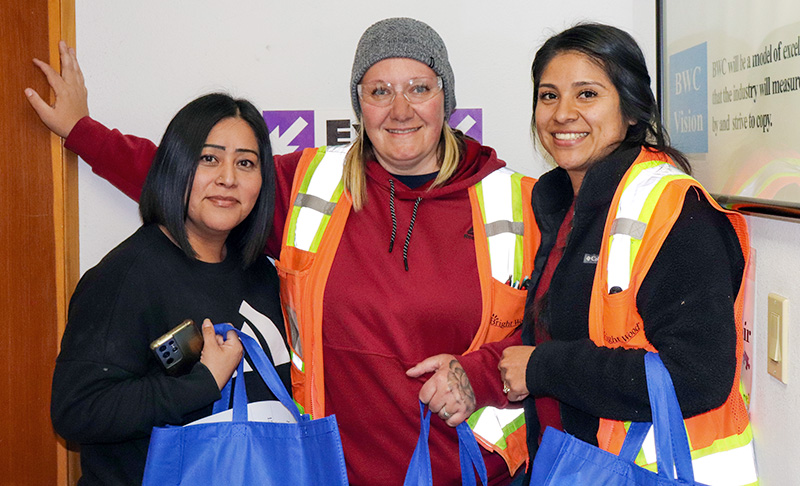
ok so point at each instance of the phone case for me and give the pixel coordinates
(179, 349)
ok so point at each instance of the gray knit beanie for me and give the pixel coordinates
(403, 37)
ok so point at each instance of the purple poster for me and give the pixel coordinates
(469, 121)
(290, 130)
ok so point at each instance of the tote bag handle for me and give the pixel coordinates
(672, 444)
(419, 469)
(264, 368)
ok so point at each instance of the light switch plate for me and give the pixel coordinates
(777, 336)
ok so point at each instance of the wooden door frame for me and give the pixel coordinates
(61, 25)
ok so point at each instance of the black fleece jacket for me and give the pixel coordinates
(686, 302)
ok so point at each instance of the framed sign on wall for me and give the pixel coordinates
(729, 82)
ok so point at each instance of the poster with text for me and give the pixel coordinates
(731, 94)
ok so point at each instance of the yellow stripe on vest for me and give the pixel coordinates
(500, 198)
(639, 197)
(317, 198)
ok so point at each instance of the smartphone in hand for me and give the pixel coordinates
(179, 349)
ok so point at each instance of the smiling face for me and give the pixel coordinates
(578, 116)
(226, 184)
(404, 136)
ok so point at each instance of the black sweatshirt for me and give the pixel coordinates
(686, 302)
(109, 390)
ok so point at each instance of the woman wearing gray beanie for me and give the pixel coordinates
(403, 260)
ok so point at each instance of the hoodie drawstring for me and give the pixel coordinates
(394, 223)
(410, 229)
(394, 217)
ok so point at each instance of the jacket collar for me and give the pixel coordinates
(553, 193)
(602, 179)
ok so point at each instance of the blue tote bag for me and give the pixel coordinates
(565, 460)
(243, 452)
(419, 469)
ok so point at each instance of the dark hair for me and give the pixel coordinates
(168, 186)
(616, 52)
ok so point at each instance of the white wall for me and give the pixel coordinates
(143, 60)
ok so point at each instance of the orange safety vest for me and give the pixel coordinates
(310, 239)
(646, 204)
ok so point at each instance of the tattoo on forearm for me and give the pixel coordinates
(458, 383)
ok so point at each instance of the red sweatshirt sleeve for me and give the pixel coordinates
(481, 368)
(123, 160)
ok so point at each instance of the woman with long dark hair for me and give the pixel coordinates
(635, 256)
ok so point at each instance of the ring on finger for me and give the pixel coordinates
(446, 415)
(506, 389)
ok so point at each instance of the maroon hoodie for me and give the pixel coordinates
(378, 319)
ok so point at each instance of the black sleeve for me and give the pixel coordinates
(687, 304)
(107, 386)
(100, 402)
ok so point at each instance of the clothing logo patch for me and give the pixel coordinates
(496, 321)
(591, 259)
(624, 338)
(470, 234)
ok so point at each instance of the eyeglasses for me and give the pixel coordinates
(417, 90)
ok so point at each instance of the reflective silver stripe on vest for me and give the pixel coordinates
(497, 227)
(627, 225)
(501, 229)
(316, 202)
